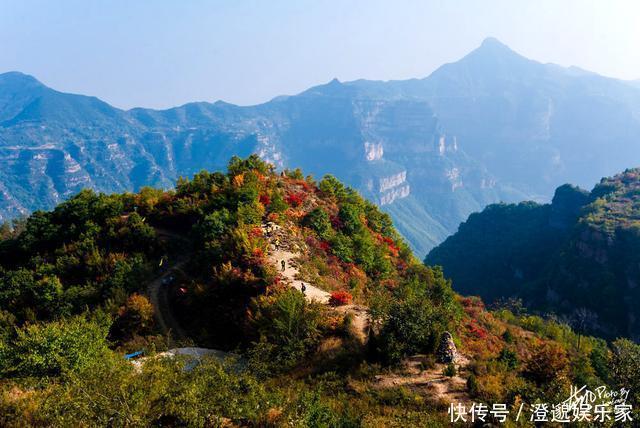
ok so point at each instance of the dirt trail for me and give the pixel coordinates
(431, 381)
(158, 290)
(291, 273)
(158, 295)
(281, 250)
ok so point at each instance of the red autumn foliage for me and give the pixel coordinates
(394, 250)
(339, 298)
(306, 186)
(256, 232)
(258, 253)
(472, 306)
(473, 301)
(388, 240)
(477, 330)
(311, 241)
(295, 199)
(324, 246)
(466, 302)
(265, 200)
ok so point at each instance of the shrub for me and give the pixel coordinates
(412, 326)
(450, 370)
(472, 385)
(625, 367)
(340, 298)
(265, 200)
(250, 213)
(162, 393)
(135, 317)
(287, 326)
(547, 365)
(599, 357)
(509, 358)
(51, 349)
(312, 411)
(278, 204)
(507, 336)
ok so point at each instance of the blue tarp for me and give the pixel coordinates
(133, 355)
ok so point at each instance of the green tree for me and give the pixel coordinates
(287, 325)
(349, 215)
(52, 349)
(413, 325)
(318, 220)
(625, 367)
(238, 165)
(278, 203)
(332, 187)
(250, 213)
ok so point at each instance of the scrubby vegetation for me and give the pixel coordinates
(75, 297)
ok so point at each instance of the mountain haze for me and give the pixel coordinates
(493, 126)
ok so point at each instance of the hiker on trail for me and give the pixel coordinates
(284, 264)
(303, 288)
(277, 244)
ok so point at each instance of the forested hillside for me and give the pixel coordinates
(577, 257)
(361, 344)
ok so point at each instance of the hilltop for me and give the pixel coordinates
(101, 276)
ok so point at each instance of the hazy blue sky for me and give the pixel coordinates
(155, 53)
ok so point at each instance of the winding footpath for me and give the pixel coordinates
(413, 376)
(282, 251)
(158, 290)
(430, 381)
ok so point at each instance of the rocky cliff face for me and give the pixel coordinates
(57, 144)
(492, 126)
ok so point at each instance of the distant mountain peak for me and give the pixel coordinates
(493, 42)
(14, 78)
(493, 46)
(491, 59)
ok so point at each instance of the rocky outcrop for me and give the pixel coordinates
(373, 151)
(447, 351)
(386, 183)
(396, 193)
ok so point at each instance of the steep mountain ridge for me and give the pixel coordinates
(494, 126)
(383, 147)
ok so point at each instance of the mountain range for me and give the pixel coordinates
(493, 126)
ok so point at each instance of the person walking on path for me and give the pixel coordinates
(303, 288)
(283, 264)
